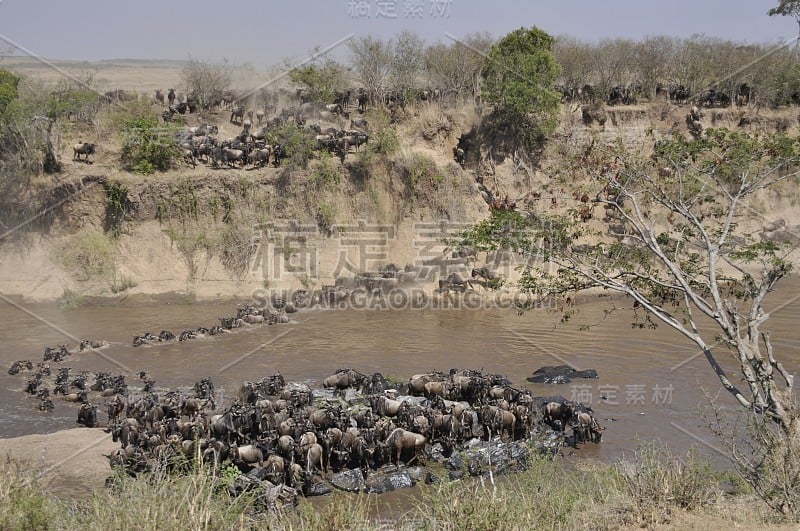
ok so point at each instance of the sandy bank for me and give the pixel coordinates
(71, 462)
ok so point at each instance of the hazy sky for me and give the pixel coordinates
(266, 31)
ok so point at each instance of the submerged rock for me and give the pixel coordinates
(349, 480)
(421, 474)
(479, 457)
(559, 374)
(316, 487)
(388, 479)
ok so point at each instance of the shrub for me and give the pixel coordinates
(655, 479)
(117, 204)
(326, 215)
(419, 170)
(299, 144)
(326, 173)
(23, 503)
(384, 142)
(124, 283)
(193, 501)
(146, 146)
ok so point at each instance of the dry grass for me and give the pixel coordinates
(549, 495)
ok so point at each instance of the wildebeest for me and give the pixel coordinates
(679, 94)
(460, 156)
(17, 366)
(345, 378)
(485, 273)
(231, 157)
(168, 114)
(83, 148)
(714, 98)
(360, 123)
(385, 406)
(336, 109)
(237, 115)
(362, 99)
(279, 153)
(400, 440)
(261, 156)
(313, 457)
(498, 420)
(87, 415)
(557, 415)
(249, 454)
(585, 428)
(743, 94)
(456, 282)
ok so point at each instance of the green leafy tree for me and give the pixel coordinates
(320, 81)
(8, 94)
(298, 143)
(519, 75)
(146, 146)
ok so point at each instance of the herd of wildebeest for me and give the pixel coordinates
(295, 438)
(258, 116)
(252, 146)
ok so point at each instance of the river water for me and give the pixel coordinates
(649, 387)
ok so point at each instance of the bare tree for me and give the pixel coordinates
(371, 60)
(677, 249)
(576, 61)
(407, 61)
(206, 81)
(456, 68)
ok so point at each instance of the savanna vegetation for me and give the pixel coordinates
(651, 488)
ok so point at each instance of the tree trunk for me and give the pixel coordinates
(51, 163)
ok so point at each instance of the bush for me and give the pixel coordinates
(765, 457)
(23, 503)
(384, 142)
(545, 496)
(299, 144)
(146, 146)
(123, 283)
(117, 204)
(237, 245)
(326, 173)
(421, 170)
(655, 479)
(193, 501)
(70, 300)
(326, 215)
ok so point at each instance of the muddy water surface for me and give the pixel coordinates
(650, 384)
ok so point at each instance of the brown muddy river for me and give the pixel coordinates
(650, 381)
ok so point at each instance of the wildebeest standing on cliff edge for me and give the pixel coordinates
(83, 148)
